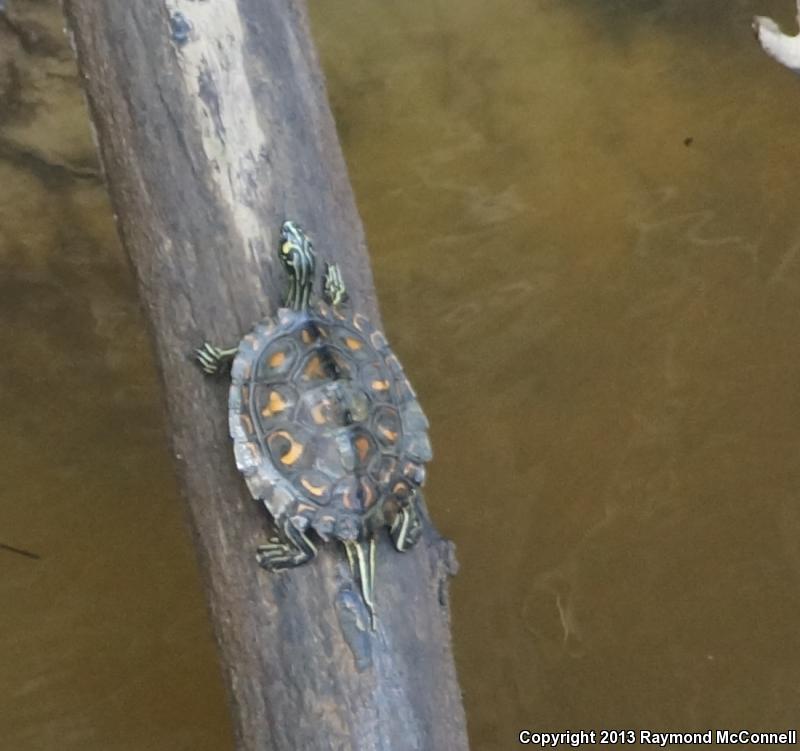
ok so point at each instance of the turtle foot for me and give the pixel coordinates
(278, 554)
(213, 360)
(406, 529)
(334, 290)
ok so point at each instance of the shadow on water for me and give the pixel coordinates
(584, 232)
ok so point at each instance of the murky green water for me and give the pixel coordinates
(585, 237)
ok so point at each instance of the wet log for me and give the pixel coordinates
(213, 126)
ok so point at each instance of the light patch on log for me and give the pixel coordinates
(209, 40)
(782, 47)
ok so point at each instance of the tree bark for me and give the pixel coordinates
(213, 126)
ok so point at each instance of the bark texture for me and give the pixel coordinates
(213, 126)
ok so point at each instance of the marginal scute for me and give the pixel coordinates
(235, 398)
(418, 446)
(261, 332)
(386, 425)
(405, 392)
(395, 368)
(242, 368)
(324, 524)
(414, 472)
(260, 484)
(379, 341)
(237, 427)
(248, 457)
(362, 324)
(283, 498)
(413, 417)
(286, 316)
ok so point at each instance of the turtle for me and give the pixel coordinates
(327, 430)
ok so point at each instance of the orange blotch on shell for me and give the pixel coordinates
(317, 490)
(347, 500)
(276, 360)
(369, 494)
(390, 435)
(275, 404)
(318, 413)
(295, 449)
(311, 333)
(313, 368)
(353, 343)
(380, 385)
(362, 446)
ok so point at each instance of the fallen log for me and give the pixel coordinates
(213, 127)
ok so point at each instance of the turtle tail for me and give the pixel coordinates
(361, 557)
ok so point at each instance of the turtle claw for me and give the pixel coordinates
(213, 360)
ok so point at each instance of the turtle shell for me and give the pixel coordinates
(327, 430)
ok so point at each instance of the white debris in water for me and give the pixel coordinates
(782, 47)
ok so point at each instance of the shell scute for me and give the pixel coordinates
(273, 402)
(289, 450)
(277, 360)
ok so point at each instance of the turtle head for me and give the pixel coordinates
(297, 257)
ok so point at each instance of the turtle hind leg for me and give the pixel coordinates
(294, 548)
(214, 360)
(406, 529)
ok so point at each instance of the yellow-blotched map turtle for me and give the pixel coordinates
(326, 428)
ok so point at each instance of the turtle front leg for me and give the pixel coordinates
(294, 549)
(406, 528)
(214, 360)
